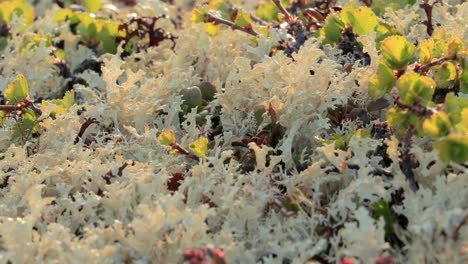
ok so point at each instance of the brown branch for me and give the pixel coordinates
(428, 10)
(109, 175)
(405, 159)
(416, 108)
(83, 128)
(427, 67)
(216, 20)
(456, 231)
(10, 108)
(183, 151)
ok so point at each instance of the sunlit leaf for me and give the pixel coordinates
(167, 138)
(211, 29)
(453, 148)
(437, 125)
(397, 51)
(199, 147)
(381, 209)
(197, 15)
(454, 45)
(243, 19)
(382, 82)
(362, 19)
(17, 90)
(425, 49)
(414, 88)
(444, 75)
(92, 5)
(332, 29)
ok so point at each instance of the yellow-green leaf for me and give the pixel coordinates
(444, 75)
(437, 125)
(92, 5)
(453, 148)
(243, 19)
(425, 49)
(362, 19)
(381, 82)
(397, 51)
(199, 147)
(454, 45)
(17, 90)
(414, 88)
(197, 15)
(211, 29)
(167, 138)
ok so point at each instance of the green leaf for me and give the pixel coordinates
(383, 31)
(454, 45)
(64, 104)
(267, 11)
(454, 107)
(2, 118)
(462, 126)
(362, 19)
(63, 15)
(167, 138)
(17, 90)
(444, 75)
(92, 5)
(437, 125)
(397, 51)
(401, 120)
(381, 82)
(18, 7)
(332, 29)
(26, 126)
(453, 148)
(197, 15)
(414, 88)
(211, 29)
(199, 147)
(243, 19)
(381, 209)
(425, 49)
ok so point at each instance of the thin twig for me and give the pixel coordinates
(10, 108)
(405, 159)
(427, 67)
(416, 108)
(83, 128)
(282, 9)
(456, 231)
(428, 10)
(216, 20)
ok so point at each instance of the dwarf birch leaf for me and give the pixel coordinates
(167, 138)
(454, 45)
(445, 74)
(199, 147)
(2, 118)
(332, 29)
(211, 29)
(92, 5)
(382, 82)
(243, 19)
(197, 15)
(437, 125)
(17, 90)
(414, 88)
(362, 19)
(453, 148)
(425, 49)
(397, 51)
